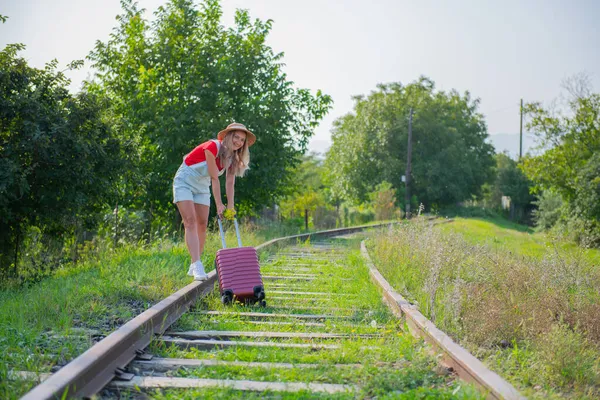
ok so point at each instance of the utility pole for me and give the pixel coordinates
(521, 133)
(408, 165)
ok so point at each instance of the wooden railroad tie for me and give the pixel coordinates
(150, 382)
(264, 335)
(272, 315)
(167, 364)
(212, 344)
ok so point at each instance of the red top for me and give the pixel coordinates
(197, 155)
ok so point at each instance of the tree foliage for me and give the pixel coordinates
(383, 201)
(306, 189)
(450, 158)
(178, 81)
(572, 140)
(512, 182)
(59, 156)
(549, 210)
(570, 166)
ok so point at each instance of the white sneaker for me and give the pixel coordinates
(198, 271)
(191, 270)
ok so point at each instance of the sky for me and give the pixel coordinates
(499, 51)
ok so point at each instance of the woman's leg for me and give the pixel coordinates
(188, 215)
(201, 223)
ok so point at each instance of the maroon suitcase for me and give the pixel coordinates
(238, 272)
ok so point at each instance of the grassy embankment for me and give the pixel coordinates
(527, 304)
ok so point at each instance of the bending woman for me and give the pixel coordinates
(201, 169)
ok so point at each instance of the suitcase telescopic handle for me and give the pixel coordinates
(237, 232)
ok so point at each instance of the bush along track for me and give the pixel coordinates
(325, 333)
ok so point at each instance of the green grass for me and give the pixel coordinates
(525, 303)
(506, 236)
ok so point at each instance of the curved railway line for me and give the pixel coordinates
(324, 332)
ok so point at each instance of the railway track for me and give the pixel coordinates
(325, 332)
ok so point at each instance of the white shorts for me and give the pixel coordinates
(189, 184)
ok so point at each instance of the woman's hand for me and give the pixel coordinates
(220, 209)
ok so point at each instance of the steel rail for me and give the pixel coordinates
(87, 374)
(467, 367)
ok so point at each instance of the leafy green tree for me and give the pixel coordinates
(586, 203)
(303, 203)
(549, 210)
(570, 167)
(510, 181)
(178, 81)
(59, 156)
(451, 159)
(306, 189)
(572, 142)
(383, 201)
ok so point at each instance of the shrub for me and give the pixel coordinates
(549, 210)
(325, 218)
(567, 357)
(383, 201)
(467, 212)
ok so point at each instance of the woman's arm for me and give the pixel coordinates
(213, 171)
(229, 189)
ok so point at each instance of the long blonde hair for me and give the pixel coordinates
(236, 162)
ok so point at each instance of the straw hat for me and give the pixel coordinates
(250, 137)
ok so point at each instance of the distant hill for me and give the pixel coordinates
(510, 142)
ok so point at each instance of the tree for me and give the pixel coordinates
(510, 181)
(451, 159)
(383, 200)
(572, 142)
(306, 191)
(587, 201)
(570, 165)
(59, 156)
(180, 80)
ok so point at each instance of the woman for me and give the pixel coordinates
(201, 169)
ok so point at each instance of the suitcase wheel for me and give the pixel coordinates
(227, 297)
(259, 292)
(262, 303)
